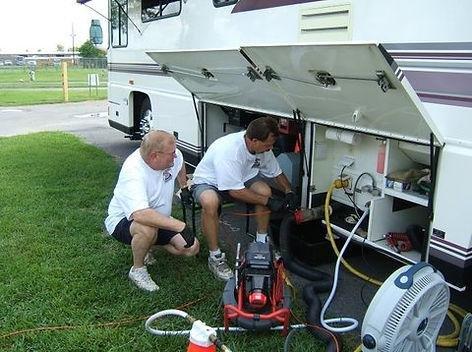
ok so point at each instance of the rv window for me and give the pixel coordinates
(155, 9)
(219, 3)
(119, 22)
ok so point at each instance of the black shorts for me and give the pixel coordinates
(122, 233)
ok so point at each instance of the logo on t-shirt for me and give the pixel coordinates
(257, 163)
(167, 175)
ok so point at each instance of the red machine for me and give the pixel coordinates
(257, 297)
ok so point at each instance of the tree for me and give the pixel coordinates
(60, 47)
(89, 50)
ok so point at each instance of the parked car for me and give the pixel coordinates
(8, 63)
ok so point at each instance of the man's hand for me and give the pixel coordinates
(291, 200)
(186, 196)
(188, 236)
(276, 204)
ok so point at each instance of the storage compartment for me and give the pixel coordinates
(222, 120)
(407, 171)
(364, 162)
(308, 241)
(363, 123)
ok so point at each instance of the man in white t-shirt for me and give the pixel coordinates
(235, 165)
(139, 212)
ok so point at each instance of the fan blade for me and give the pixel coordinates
(425, 343)
(403, 335)
(425, 302)
(433, 313)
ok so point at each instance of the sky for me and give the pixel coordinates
(43, 24)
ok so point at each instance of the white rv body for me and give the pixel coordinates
(366, 107)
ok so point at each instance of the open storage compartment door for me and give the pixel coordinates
(351, 86)
(223, 77)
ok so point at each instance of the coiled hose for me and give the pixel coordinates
(321, 282)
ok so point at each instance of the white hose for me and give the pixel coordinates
(182, 314)
(342, 320)
(164, 313)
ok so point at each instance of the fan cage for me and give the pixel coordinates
(409, 298)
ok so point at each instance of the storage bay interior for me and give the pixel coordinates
(365, 160)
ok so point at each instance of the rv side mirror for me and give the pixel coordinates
(96, 33)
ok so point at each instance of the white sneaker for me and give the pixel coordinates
(149, 259)
(219, 267)
(142, 279)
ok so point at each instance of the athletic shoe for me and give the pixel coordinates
(142, 279)
(219, 267)
(149, 259)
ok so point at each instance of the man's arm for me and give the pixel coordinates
(150, 217)
(182, 176)
(283, 183)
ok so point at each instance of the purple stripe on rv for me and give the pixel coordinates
(431, 56)
(442, 87)
(443, 244)
(250, 5)
(461, 263)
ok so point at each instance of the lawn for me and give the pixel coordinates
(17, 89)
(61, 274)
(18, 97)
(47, 77)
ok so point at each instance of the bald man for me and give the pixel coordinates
(139, 212)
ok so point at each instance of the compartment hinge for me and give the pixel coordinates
(383, 81)
(252, 74)
(270, 74)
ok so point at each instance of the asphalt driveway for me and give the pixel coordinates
(88, 120)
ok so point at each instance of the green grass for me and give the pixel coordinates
(57, 268)
(48, 77)
(18, 97)
(16, 89)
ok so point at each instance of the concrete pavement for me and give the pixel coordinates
(88, 120)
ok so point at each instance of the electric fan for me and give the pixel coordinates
(407, 311)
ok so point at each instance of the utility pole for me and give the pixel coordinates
(73, 45)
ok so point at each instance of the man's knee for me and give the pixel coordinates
(190, 251)
(146, 232)
(193, 250)
(210, 202)
(262, 188)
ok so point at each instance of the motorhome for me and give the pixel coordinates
(378, 93)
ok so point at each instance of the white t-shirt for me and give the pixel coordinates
(140, 187)
(227, 164)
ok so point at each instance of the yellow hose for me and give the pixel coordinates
(359, 348)
(449, 340)
(445, 340)
(458, 310)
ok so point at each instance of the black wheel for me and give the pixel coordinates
(145, 117)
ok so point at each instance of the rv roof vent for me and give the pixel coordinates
(325, 23)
